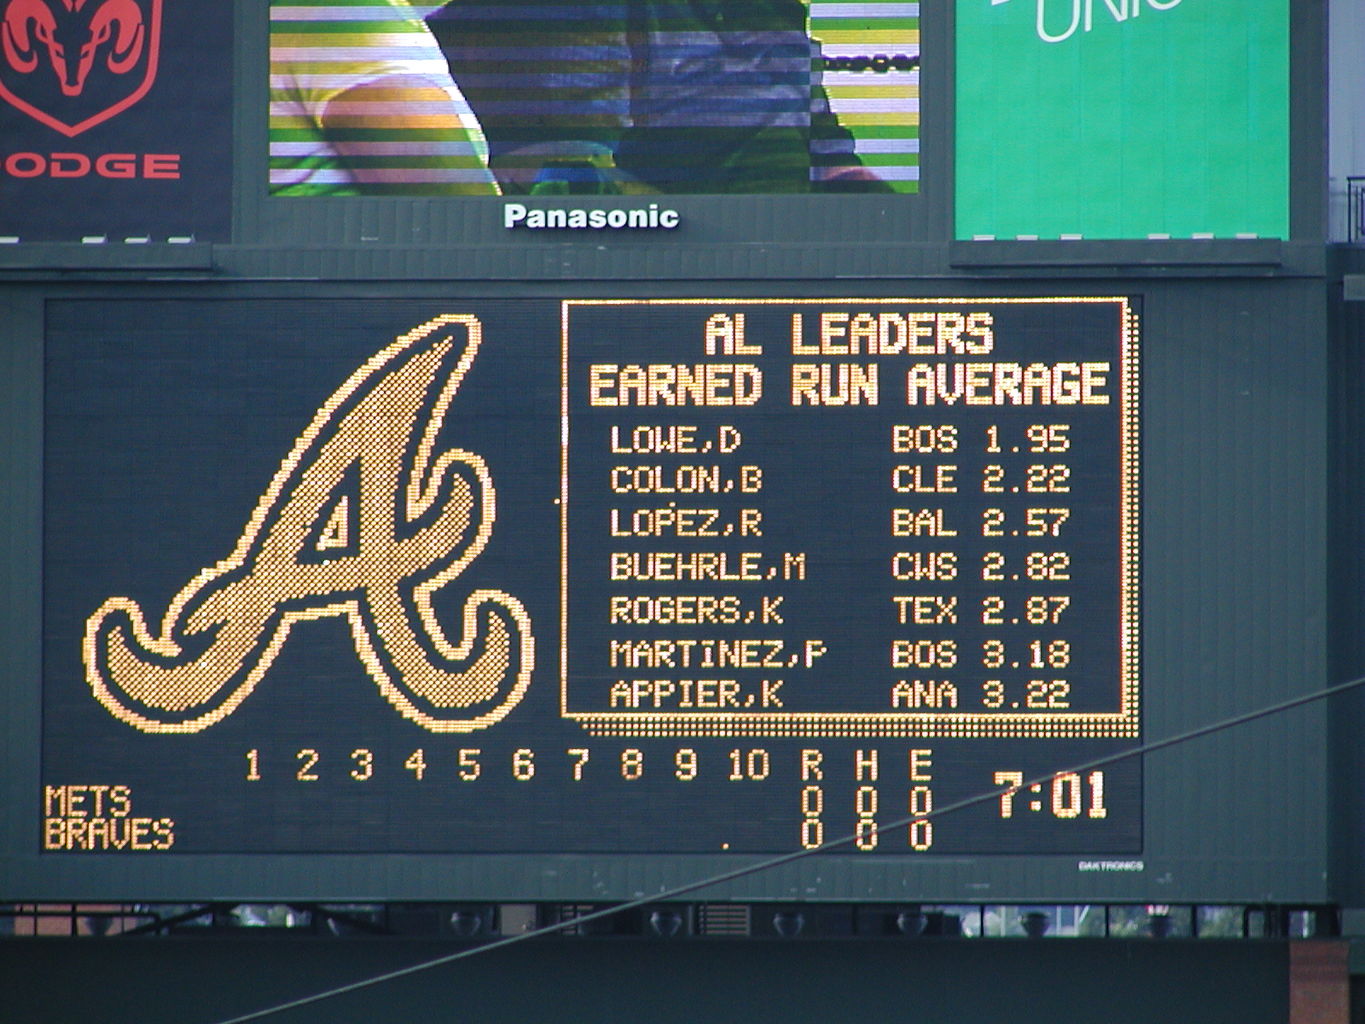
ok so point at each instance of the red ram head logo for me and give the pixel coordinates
(72, 38)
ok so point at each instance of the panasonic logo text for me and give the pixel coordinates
(518, 215)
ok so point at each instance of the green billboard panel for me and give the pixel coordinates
(1122, 118)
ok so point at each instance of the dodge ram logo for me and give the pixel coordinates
(73, 64)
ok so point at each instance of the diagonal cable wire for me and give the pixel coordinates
(769, 863)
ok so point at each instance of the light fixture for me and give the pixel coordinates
(466, 922)
(665, 922)
(789, 923)
(911, 922)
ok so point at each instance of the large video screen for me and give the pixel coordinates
(711, 575)
(628, 98)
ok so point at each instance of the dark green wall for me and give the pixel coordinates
(189, 981)
(1347, 774)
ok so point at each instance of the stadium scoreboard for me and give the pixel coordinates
(703, 575)
(616, 504)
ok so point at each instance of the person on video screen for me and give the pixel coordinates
(362, 103)
(650, 96)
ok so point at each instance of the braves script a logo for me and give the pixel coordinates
(111, 46)
(366, 520)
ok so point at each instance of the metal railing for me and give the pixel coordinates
(1355, 206)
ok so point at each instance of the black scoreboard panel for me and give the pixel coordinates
(735, 575)
(945, 489)
(574, 596)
